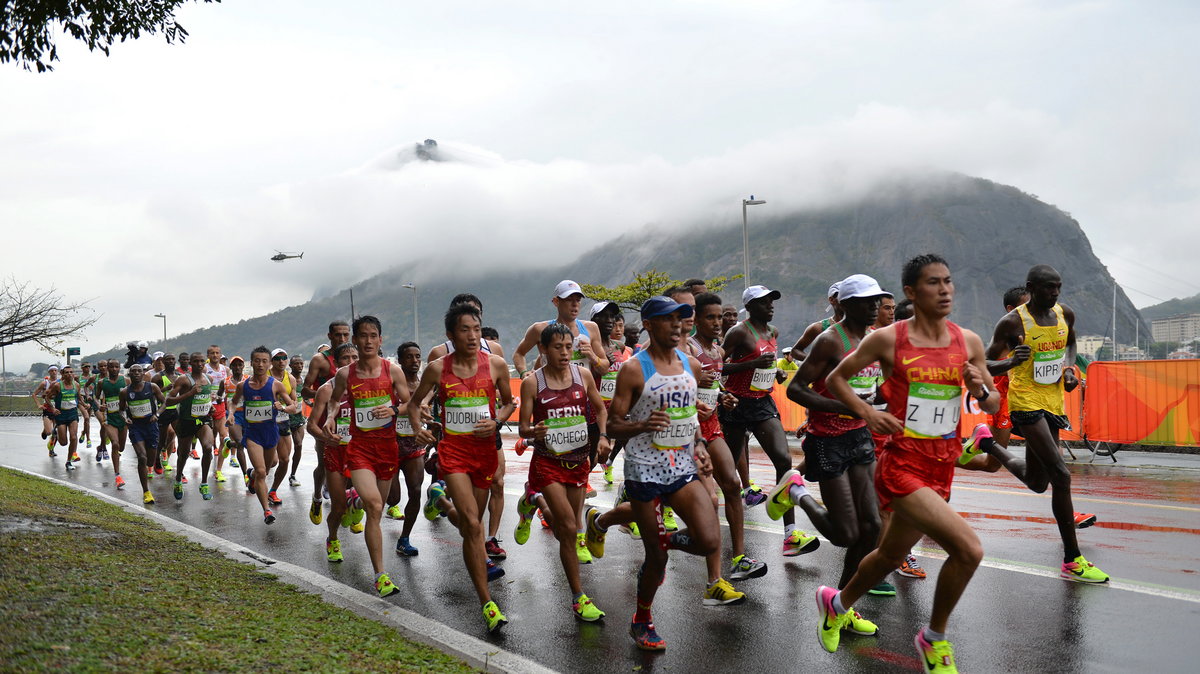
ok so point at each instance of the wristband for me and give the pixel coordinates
(986, 392)
(606, 436)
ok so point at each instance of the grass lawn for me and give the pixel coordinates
(85, 586)
(18, 404)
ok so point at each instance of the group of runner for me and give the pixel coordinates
(884, 394)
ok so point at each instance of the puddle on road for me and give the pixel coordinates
(10, 524)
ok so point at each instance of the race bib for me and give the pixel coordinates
(202, 401)
(69, 401)
(258, 411)
(343, 426)
(709, 396)
(1048, 366)
(565, 435)
(139, 409)
(282, 417)
(608, 386)
(680, 433)
(577, 357)
(404, 426)
(462, 414)
(364, 413)
(933, 411)
(112, 403)
(763, 379)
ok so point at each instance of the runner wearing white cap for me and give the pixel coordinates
(750, 366)
(283, 450)
(817, 327)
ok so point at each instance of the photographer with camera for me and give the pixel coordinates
(137, 355)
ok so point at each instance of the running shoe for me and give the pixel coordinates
(722, 593)
(799, 543)
(494, 551)
(224, 451)
(935, 657)
(158, 470)
(1083, 571)
(883, 589)
(99, 455)
(315, 513)
(586, 611)
(149, 474)
(753, 495)
(168, 468)
(195, 453)
(268, 517)
(89, 443)
(385, 586)
(973, 447)
(120, 482)
(494, 572)
(646, 638)
(234, 462)
(608, 478)
(495, 619)
(248, 478)
(780, 500)
(75, 456)
(333, 551)
(356, 521)
(829, 630)
(205, 492)
(393, 512)
(543, 520)
(594, 535)
(524, 519)
(1084, 520)
(183, 479)
(856, 624)
(404, 548)
(910, 568)
(591, 491)
(273, 498)
(436, 491)
(147, 498)
(521, 446)
(292, 481)
(668, 518)
(581, 548)
(632, 530)
(743, 567)
(178, 490)
(70, 466)
(220, 476)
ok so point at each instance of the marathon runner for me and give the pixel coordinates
(260, 398)
(114, 421)
(283, 449)
(817, 327)
(333, 445)
(467, 383)
(927, 361)
(140, 402)
(62, 398)
(296, 422)
(167, 418)
(611, 325)
(235, 419)
(218, 374)
(1040, 335)
(87, 406)
(751, 375)
(838, 448)
(554, 403)
(321, 369)
(194, 394)
(377, 391)
(655, 409)
(39, 394)
(412, 453)
(887, 312)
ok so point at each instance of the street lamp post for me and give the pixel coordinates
(746, 239)
(164, 317)
(416, 326)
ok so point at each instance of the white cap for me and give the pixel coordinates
(276, 352)
(565, 289)
(860, 285)
(598, 307)
(142, 344)
(157, 355)
(755, 292)
(833, 295)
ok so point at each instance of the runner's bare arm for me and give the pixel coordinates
(595, 355)
(525, 426)
(975, 374)
(1070, 380)
(738, 342)
(630, 381)
(879, 345)
(318, 366)
(335, 396)
(237, 395)
(826, 352)
(160, 396)
(399, 389)
(322, 398)
(427, 385)
(1006, 339)
(284, 400)
(176, 393)
(807, 337)
(496, 348)
(503, 388)
(597, 403)
(435, 353)
(529, 341)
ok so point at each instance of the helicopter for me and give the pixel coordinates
(280, 256)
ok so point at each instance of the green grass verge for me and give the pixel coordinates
(18, 404)
(86, 586)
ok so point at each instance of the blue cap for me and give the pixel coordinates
(661, 306)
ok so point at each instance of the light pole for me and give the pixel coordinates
(416, 328)
(746, 239)
(164, 317)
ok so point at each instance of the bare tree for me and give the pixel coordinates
(30, 314)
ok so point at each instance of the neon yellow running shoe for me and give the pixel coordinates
(936, 657)
(668, 518)
(722, 593)
(495, 619)
(524, 520)
(608, 474)
(856, 624)
(829, 630)
(1083, 571)
(333, 551)
(147, 498)
(780, 499)
(356, 521)
(586, 611)
(220, 476)
(315, 514)
(384, 585)
(799, 543)
(581, 548)
(394, 512)
(973, 447)
(594, 535)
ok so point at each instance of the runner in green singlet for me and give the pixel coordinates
(114, 427)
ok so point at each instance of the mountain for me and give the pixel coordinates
(990, 233)
(1189, 305)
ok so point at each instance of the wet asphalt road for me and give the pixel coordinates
(1016, 615)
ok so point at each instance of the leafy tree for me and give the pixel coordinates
(645, 285)
(29, 314)
(1104, 353)
(1160, 350)
(27, 27)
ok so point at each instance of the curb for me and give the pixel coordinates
(472, 650)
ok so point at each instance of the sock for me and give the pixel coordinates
(317, 498)
(679, 540)
(789, 528)
(575, 597)
(837, 603)
(797, 491)
(932, 636)
(117, 473)
(642, 614)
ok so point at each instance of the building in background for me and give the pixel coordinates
(1089, 345)
(1181, 328)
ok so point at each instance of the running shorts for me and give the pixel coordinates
(239, 418)
(880, 441)
(378, 455)
(748, 412)
(826, 458)
(710, 428)
(296, 421)
(263, 434)
(46, 413)
(1001, 418)
(1029, 418)
(409, 449)
(145, 432)
(479, 466)
(649, 491)
(218, 411)
(66, 418)
(168, 417)
(335, 459)
(186, 428)
(115, 420)
(901, 473)
(544, 470)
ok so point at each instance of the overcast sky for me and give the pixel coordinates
(161, 179)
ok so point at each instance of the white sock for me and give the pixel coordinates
(789, 528)
(932, 636)
(837, 603)
(797, 491)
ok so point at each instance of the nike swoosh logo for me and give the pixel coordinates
(354, 386)
(546, 401)
(655, 388)
(452, 384)
(906, 361)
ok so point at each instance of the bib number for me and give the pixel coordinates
(258, 411)
(608, 386)
(566, 435)
(462, 414)
(709, 396)
(404, 426)
(112, 404)
(1048, 366)
(680, 433)
(343, 426)
(763, 379)
(364, 413)
(139, 409)
(69, 402)
(933, 411)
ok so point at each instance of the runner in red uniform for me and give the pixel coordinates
(926, 361)
(467, 383)
(333, 446)
(376, 389)
(321, 369)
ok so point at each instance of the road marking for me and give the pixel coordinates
(1076, 497)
